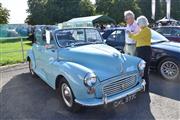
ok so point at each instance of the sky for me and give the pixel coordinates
(18, 10)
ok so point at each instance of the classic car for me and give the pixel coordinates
(172, 33)
(83, 69)
(165, 54)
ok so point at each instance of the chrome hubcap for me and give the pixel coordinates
(67, 95)
(169, 70)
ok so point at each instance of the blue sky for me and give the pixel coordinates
(17, 10)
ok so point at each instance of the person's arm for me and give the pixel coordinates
(136, 30)
(137, 36)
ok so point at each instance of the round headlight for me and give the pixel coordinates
(90, 79)
(141, 65)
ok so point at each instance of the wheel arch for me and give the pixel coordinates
(59, 79)
(30, 57)
(161, 59)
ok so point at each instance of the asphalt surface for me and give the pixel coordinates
(24, 97)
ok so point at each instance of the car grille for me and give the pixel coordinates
(119, 86)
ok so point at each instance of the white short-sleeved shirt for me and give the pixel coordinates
(133, 28)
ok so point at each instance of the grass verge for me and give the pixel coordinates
(11, 51)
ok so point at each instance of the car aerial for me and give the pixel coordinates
(83, 69)
(165, 53)
(172, 33)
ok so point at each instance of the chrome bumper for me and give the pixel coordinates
(106, 100)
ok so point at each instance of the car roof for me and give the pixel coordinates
(60, 29)
(78, 28)
(116, 28)
(168, 27)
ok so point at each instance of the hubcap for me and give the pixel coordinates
(169, 70)
(67, 95)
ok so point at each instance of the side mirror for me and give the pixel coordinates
(48, 37)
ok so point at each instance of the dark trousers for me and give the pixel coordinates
(145, 53)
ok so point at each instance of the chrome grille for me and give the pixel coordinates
(119, 85)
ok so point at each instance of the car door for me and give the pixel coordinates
(48, 58)
(111, 39)
(175, 34)
(120, 38)
(38, 48)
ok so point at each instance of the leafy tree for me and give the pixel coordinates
(116, 8)
(103, 6)
(37, 10)
(57, 11)
(86, 8)
(175, 10)
(159, 10)
(4, 15)
(145, 6)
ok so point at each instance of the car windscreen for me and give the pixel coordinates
(157, 37)
(72, 37)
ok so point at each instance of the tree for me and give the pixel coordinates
(86, 8)
(145, 6)
(175, 11)
(116, 8)
(103, 6)
(37, 10)
(57, 11)
(159, 10)
(4, 15)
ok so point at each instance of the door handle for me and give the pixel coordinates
(51, 60)
(53, 50)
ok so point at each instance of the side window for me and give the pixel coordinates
(175, 32)
(159, 30)
(93, 35)
(112, 36)
(39, 37)
(166, 31)
(78, 35)
(120, 35)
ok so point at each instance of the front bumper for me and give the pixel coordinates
(106, 100)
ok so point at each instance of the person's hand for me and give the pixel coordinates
(128, 32)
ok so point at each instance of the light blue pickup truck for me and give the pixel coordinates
(83, 69)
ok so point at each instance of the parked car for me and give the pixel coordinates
(172, 33)
(84, 70)
(165, 54)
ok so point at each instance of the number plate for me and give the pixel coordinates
(125, 99)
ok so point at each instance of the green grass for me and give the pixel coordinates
(11, 51)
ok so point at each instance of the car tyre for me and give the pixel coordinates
(31, 69)
(169, 69)
(66, 97)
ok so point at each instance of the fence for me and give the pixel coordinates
(13, 50)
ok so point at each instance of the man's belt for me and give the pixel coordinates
(130, 44)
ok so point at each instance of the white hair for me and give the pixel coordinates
(129, 13)
(142, 21)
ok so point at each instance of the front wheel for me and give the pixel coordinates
(67, 97)
(169, 69)
(31, 69)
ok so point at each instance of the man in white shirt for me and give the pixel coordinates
(133, 28)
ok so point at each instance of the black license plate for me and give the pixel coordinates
(125, 100)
